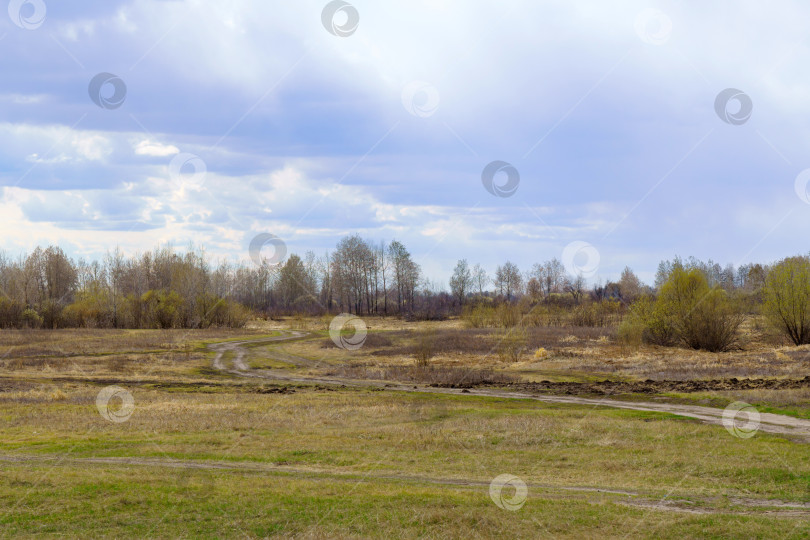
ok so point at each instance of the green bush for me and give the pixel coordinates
(787, 298)
(649, 323)
(687, 311)
(701, 317)
(508, 315)
(479, 316)
(31, 318)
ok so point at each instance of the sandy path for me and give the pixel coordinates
(796, 428)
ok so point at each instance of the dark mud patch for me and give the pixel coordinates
(642, 387)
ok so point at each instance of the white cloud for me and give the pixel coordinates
(147, 147)
(508, 73)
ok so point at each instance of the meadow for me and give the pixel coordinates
(267, 433)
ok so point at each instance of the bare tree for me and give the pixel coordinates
(462, 281)
(406, 275)
(629, 285)
(508, 280)
(553, 277)
(480, 279)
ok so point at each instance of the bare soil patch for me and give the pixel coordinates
(649, 386)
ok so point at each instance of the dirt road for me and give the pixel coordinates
(795, 428)
(649, 501)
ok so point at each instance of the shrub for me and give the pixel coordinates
(687, 311)
(31, 318)
(508, 315)
(537, 316)
(631, 332)
(701, 317)
(787, 298)
(479, 316)
(162, 308)
(51, 313)
(10, 313)
(583, 315)
(424, 348)
(88, 309)
(601, 313)
(511, 344)
(649, 323)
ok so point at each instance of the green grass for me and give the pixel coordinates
(462, 437)
(104, 501)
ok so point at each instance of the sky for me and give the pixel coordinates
(605, 134)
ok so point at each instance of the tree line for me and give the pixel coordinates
(166, 289)
(694, 303)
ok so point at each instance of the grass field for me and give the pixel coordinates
(202, 452)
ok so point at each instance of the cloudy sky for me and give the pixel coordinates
(139, 122)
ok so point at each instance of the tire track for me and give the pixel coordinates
(646, 501)
(777, 424)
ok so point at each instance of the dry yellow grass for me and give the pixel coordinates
(418, 454)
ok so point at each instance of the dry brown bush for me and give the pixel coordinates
(511, 344)
(425, 349)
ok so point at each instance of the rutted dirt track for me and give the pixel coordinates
(699, 505)
(795, 428)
